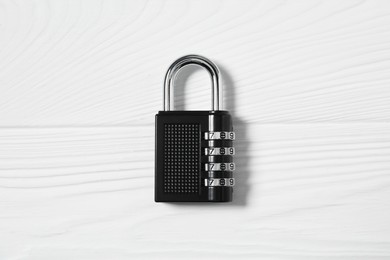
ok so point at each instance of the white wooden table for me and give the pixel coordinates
(306, 81)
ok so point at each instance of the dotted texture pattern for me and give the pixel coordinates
(181, 158)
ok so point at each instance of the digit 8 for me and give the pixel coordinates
(223, 166)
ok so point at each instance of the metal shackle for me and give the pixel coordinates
(173, 70)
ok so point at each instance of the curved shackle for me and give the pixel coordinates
(173, 70)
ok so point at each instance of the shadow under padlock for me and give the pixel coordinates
(194, 149)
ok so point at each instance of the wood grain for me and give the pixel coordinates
(306, 81)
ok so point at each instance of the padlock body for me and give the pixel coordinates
(194, 156)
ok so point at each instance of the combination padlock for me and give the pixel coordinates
(194, 149)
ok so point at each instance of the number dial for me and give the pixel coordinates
(220, 166)
(220, 151)
(220, 136)
(219, 182)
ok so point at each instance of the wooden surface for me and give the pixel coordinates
(306, 81)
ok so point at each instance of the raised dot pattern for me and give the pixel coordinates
(181, 158)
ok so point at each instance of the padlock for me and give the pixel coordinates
(194, 149)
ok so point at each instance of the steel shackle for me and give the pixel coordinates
(173, 70)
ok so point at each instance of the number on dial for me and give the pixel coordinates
(220, 136)
(220, 151)
(220, 166)
(219, 182)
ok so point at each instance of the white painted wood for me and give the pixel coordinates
(306, 81)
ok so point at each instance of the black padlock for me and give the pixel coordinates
(194, 149)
